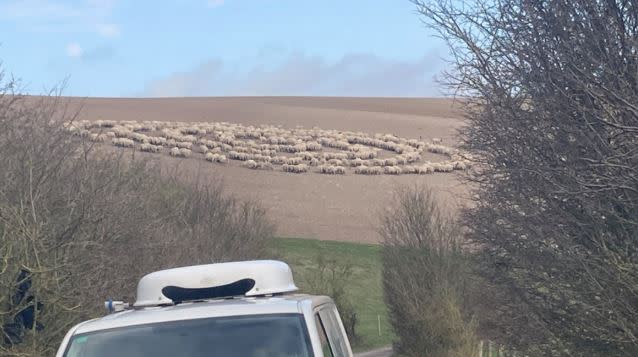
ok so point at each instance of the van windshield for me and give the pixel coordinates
(246, 336)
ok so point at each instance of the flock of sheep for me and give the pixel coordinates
(268, 147)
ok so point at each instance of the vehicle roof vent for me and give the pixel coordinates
(211, 281)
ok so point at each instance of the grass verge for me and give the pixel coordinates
(364, 289)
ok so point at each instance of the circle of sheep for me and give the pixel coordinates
(268, 147)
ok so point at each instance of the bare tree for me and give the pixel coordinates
(425, 278)
(550, 89)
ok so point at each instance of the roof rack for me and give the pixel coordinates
(213, 281)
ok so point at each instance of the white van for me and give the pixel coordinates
(246, 309)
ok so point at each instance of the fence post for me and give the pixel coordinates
(481, 348)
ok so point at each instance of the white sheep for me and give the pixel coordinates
(123, 142)
(139, 137)
(294, 161)
(390, 162)
(150, 148)
(184, 145)
(368, 170)
(331, 169)
(183, 152)
(442, 167)
(409, 169)
(97, 138)
(234, 155)
(313, 146)
(297, 169)
(156, 140)
(215, 157)
(251, 164)
(424, 169)
(392, 170)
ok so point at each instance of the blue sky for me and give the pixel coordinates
(132, 48)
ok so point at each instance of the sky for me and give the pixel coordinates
(176, 48)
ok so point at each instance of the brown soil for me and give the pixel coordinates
(307, 205)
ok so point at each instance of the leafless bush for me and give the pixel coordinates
(330, 277)
(425, 278)
(78, 225)
(552, 119)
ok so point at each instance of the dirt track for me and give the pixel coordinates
(307, 205)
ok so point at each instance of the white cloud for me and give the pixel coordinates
(215, 3)
(74, 50)
(57, 15)
(108, 30)
(300, 74)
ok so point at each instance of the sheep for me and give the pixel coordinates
(241, 149)
(442, 167)
(183, 152)
(192, 131)
(460, 165)
(288, 148)
(341, 145)
(409, 169)
(251, 164)
(261, 158)
(105, 123)
(262, 144)
(188, 138)
(234, 155)
(121, 132)
(150, 148)
(313, 146)
(365, 154)
(123, 142)
(331, 169)
(439, 149)
(147, 127)
(226, 147)
(401, 160)
(156, 140)
(184, 145)
(413, 157)
(215, 157)
(392, 170)
(424, 169)
(390, 162)
(300, 147)
(306, 155)
(294, 160)
(356, 162)
(297, 169)
(97, 138)
(139, 137)
(335, 155)
(278, 160)
(368, 170)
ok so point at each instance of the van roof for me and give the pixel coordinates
(204, 309)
